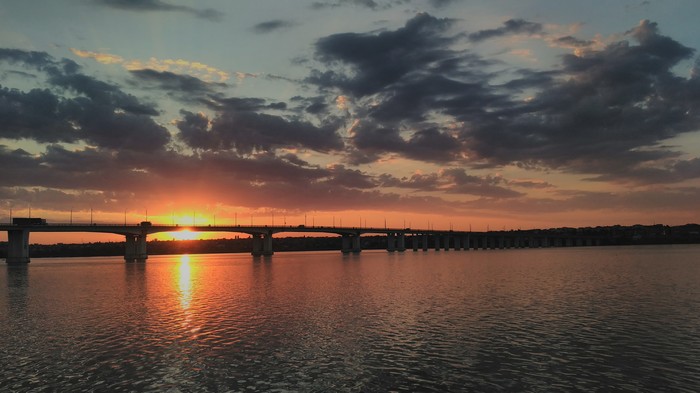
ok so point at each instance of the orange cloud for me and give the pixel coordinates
(179, 66)
(104, 58)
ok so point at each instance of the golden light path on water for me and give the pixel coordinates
(185, 276)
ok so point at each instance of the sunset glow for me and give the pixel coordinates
(184, 234)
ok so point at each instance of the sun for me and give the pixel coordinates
(184, 234)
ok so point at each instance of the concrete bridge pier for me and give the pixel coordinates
(458, 244)
(262, 244)
(467, 244)
(345, 244)
(257, 244)
(437, 242)
(414, 242)
(17, 247)
(391, 242)
(135, 250)
(356, 245)
(401, 242)
(424, 242)
(447, 242)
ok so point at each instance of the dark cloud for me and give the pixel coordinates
(172, 81)
(37, 115)
(379, 4)
(453, 181)
(340, 176)
(371, 4)
(184, 88)
(510, 27)
(406, 76)
(94, 111)
(102, 93)
(39, 60)
(272, 25)
(245, 104)
(607, 116)
(158, 5)
(570, 41)
(428, 144)
(379, 60)
(248, 132)
(603, 112)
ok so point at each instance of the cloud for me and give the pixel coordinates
(371, 4)
(379, 60)
(604, 111)
(176, 66)
(161, 177)
(104, 58)
(429, 144)
(39, 60)
(158, 5)
(272, 25)
(95, 111)
(378, 4)
(572, 42)
(607, 115)
(184, 88)
(247, 132)
(510, 27)
(453, 181)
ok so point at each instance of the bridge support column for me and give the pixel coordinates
(135, 248)
(267, 244)
(391, 242)
(467, 243)
(141, 252)
(130, 248)
(17, 247)
(401, 242)
(447, 242)
(437, 242)
(424, 242)
(356, 245)
(345, 244)
(414, 242)
(257, 244)
(458, 244)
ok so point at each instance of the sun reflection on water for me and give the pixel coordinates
(186, 277)
(185, 282)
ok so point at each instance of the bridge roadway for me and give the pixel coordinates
(135, 235)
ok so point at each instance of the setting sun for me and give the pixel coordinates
(184, 234)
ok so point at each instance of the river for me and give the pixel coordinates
(557, 319)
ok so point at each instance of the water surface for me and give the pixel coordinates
(567, 319)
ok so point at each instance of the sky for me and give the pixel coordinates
(423, 113)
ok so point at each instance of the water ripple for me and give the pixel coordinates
(620, 319)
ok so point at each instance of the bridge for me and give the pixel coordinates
(397, 239)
